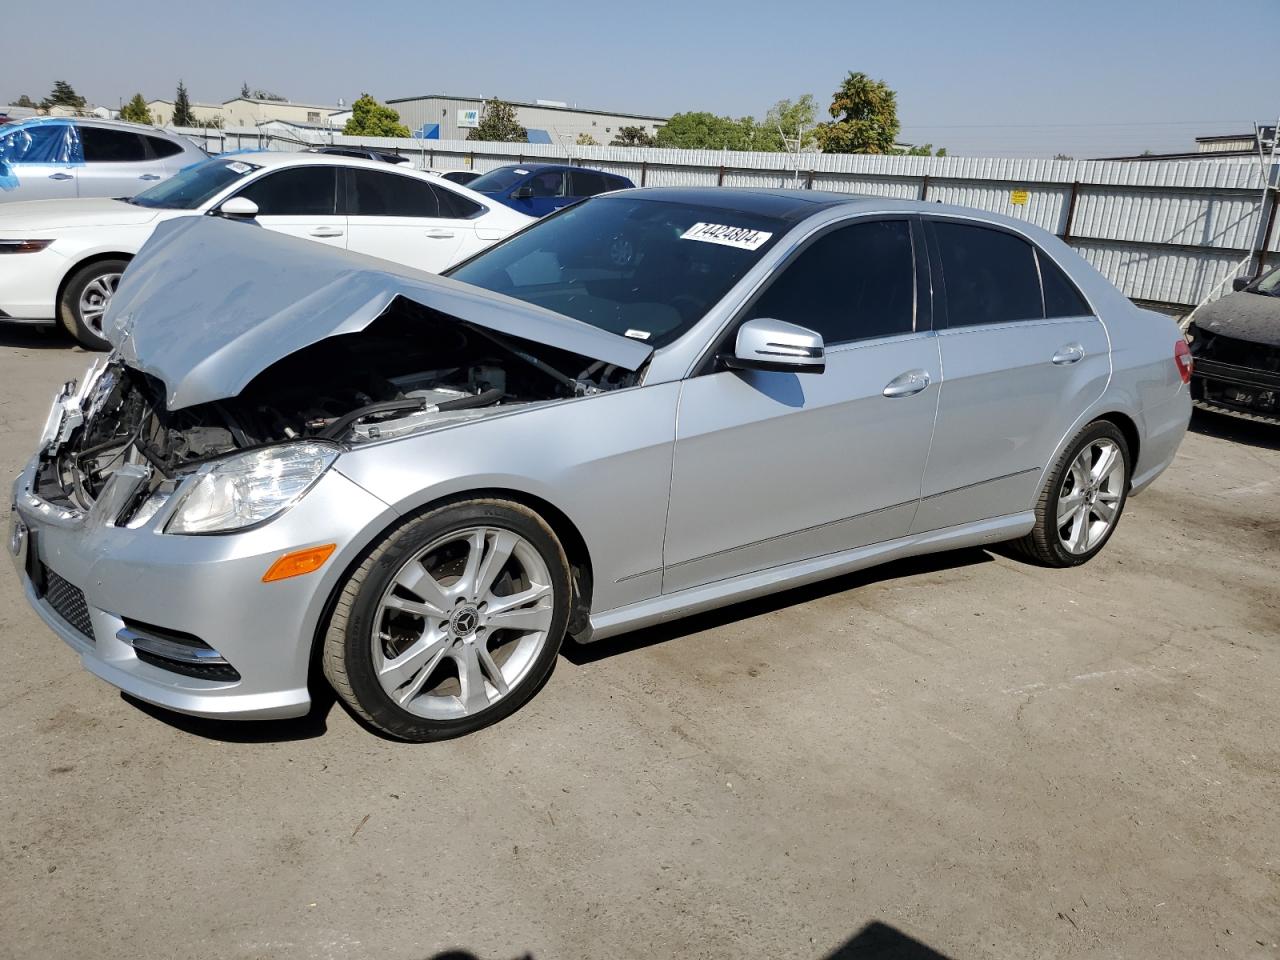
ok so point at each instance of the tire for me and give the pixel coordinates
(1082, 535)
(441, 646)
(89, 287)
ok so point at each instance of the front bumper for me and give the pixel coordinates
(1235, 389)
(208, 587)
(29, 285)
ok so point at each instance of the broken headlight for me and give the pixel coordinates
(251, 487)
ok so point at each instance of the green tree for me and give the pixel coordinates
(268, 95)
(923, 150)
(23, 101)
(632, 137)
(63, 95)
(587, 140)
(183, 116)
(700, 130)
(789, 119)
(864, 117)
(136, 110)
(498, 123)
(369, 118)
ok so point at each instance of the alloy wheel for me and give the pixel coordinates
(95, 298)
(1089, 499)
(462, 623)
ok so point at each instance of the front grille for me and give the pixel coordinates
(1242, 353)
(67, 601)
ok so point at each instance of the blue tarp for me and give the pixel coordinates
(45, 140)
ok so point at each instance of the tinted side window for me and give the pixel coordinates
(853, 283)
(161, 148)
(111, 146)
(298, 192)
(618, 183)
(374, 194)
(1061, 298)
(455, 205)
(990, 275)
(587, 183)
(549, 184)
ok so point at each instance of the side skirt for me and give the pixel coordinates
(647, 613)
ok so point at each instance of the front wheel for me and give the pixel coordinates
(85, 299)
(452, 622)
(1082, 501)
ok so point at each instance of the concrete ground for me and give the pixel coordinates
(963, 754)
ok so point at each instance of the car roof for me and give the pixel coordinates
(539, 167)
(794, 205)
(279, 158)
(101, 122)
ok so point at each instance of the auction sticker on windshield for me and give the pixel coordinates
(744, 238)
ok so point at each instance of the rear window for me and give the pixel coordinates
(1061, 298)
(990, 275)
(498, 180)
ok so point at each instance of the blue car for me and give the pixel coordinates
(537, 189)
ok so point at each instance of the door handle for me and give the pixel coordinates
(150, 176)
(1071, 353)
(908, 384)
(61, 176)
(440, 234)
(326, 232)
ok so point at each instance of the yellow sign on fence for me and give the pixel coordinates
(1018, 198)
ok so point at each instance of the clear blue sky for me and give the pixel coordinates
(1004, 77)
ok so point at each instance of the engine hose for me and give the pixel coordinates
(488, 397)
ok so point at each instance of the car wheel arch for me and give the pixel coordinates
(575, 548)
(1121, 419)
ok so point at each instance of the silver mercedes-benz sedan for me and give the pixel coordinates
(650, 404)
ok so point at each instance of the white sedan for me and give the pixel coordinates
(60, 260)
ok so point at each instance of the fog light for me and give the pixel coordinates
(298, 562)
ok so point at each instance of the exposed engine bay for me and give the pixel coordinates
(411, 369)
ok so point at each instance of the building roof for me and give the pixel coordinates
(285, 103)
(532, 106)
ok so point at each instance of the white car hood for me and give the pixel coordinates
(208, 304)
(33, 215)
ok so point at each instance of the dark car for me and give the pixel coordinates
(541, 188)
(463, 177)
(1235, 342)
(362, 153)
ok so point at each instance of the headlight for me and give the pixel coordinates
(250, 488)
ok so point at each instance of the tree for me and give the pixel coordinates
(1062, 156)
(790, 119)
(23, 101)
(864, 117)
(587, 140)
(136, 110)
(369, 118)
(268, 95)
(700, 130)
(498, 123)
(632, 137)
(63, 95)
(183, 116)
(244, 90)
(923, 150)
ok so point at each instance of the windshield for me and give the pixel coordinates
(194, 185)
(495, 181)
(1269, 284)
(646, 269)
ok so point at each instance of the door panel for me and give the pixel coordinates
(300, 201)
(773, 467)
(399, 218)
(116, 163)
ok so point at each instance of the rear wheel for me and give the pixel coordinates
(85, 299)
(1082, 500)
(452, 622)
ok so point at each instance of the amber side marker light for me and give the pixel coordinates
(298, 562)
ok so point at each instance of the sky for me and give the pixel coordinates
(980, 77)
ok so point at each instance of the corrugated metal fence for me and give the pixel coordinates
(1170, 232)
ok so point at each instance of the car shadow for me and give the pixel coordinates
(581, 654)
(1224, 427)
(32, 337)
(313, 724)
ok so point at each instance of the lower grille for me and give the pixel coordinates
(68, 602)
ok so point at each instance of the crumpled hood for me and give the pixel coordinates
(208, 304)
(32, 215)
(1243, 316)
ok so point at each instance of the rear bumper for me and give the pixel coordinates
(208, 587)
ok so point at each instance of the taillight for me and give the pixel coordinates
(1182, 359)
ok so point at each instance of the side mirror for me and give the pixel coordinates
(765, 344)
(523, 193)
(238, 208)
(1239, 283)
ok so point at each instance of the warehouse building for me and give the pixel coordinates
(441, 117)
(247, 112)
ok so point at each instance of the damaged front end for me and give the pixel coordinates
(412, 369)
